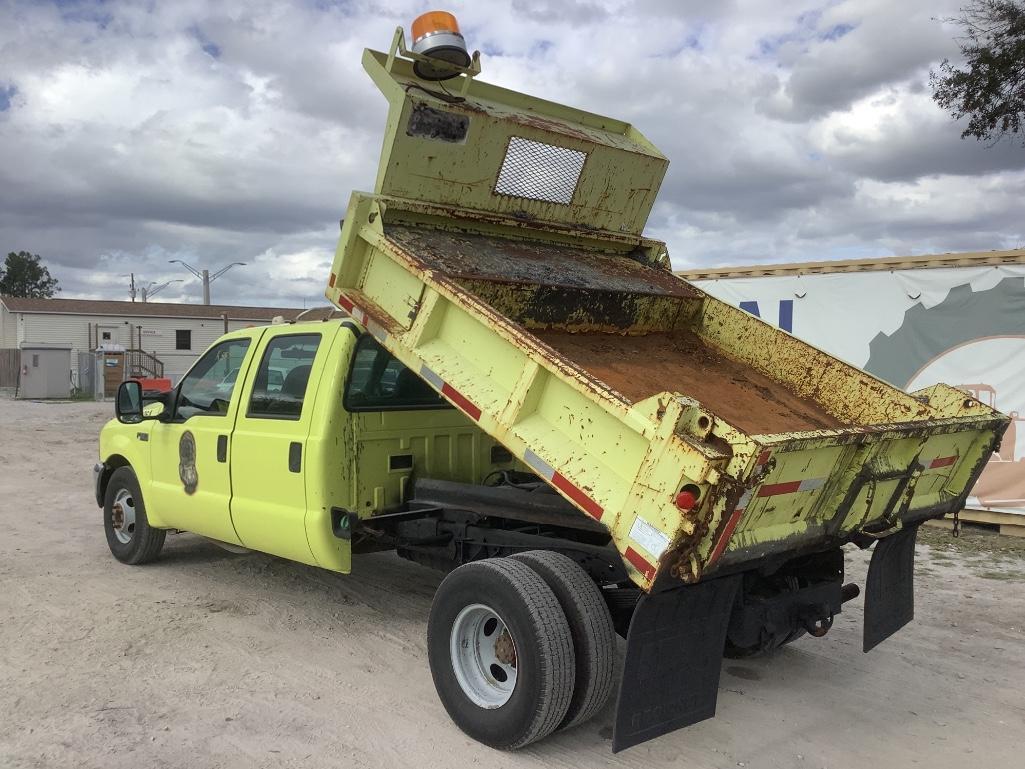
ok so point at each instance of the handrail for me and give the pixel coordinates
(141, 361)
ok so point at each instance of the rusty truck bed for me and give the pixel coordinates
(641, 366)
(636, 366)
(476, 257)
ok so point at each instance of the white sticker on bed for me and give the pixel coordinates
(648, 537)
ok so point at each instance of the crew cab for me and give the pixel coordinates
(274, 428)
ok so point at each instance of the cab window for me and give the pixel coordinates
(379, 382)
(208, 386)
(283, 376)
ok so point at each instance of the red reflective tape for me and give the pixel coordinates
(942, 462)
(763, 458)
(589, 506)
(460, 400)
(772, 489)
(331, 281)
(640, 563)
(345, 303)
(724, 540)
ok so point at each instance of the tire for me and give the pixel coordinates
(541, 668)
(130, 537)
(590, 625)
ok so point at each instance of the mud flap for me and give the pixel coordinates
(673, 658)
(890, 587)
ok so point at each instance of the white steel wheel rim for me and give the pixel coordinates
(483, 656)
(122, 516)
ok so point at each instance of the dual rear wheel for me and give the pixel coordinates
(520, 647)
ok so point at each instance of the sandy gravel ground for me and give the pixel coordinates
(209, 659)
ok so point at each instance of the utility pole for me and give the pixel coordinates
(205, 276)
(131, 289)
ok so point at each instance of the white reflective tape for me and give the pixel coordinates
(432, 378)
(810, 484)
(377, 330)
(538, 465)
(744, 499)
(648, 537)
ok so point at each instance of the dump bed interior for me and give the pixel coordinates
(624, 323)
(639, 367)
(630, 326)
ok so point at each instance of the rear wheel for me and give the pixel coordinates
(501, 653)
(130, 537)
(590, 625)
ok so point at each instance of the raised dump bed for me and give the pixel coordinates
(501, 256)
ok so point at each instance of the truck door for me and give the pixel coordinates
(191, 485)
(268, 453)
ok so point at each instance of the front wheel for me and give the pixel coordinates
(130, 537)
(501, 653)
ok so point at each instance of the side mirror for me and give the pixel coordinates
(131, 408)
(128, 404)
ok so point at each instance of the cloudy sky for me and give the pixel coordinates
(135, 133)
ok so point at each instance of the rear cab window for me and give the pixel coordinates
(283, 376)
(378, 381)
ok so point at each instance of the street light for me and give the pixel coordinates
(148, 291)
(205, 276)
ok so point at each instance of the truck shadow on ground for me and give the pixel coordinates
(384, 590)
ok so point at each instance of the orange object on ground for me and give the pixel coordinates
(161, 385)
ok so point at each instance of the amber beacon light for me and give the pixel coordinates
(436, 35)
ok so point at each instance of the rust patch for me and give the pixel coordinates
(578, 309)
(641, 366)
(505, 649)
(483, 257)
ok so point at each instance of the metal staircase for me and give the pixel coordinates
(140, 364)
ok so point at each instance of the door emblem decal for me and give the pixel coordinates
(187, 462)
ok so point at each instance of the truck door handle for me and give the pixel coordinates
(295, 456)
(222, 448)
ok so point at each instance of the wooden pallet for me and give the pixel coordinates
(1008, 524)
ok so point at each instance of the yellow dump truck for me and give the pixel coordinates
(525, 396)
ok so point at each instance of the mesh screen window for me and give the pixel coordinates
(539, 171)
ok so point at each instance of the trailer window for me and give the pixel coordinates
(379, 382)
